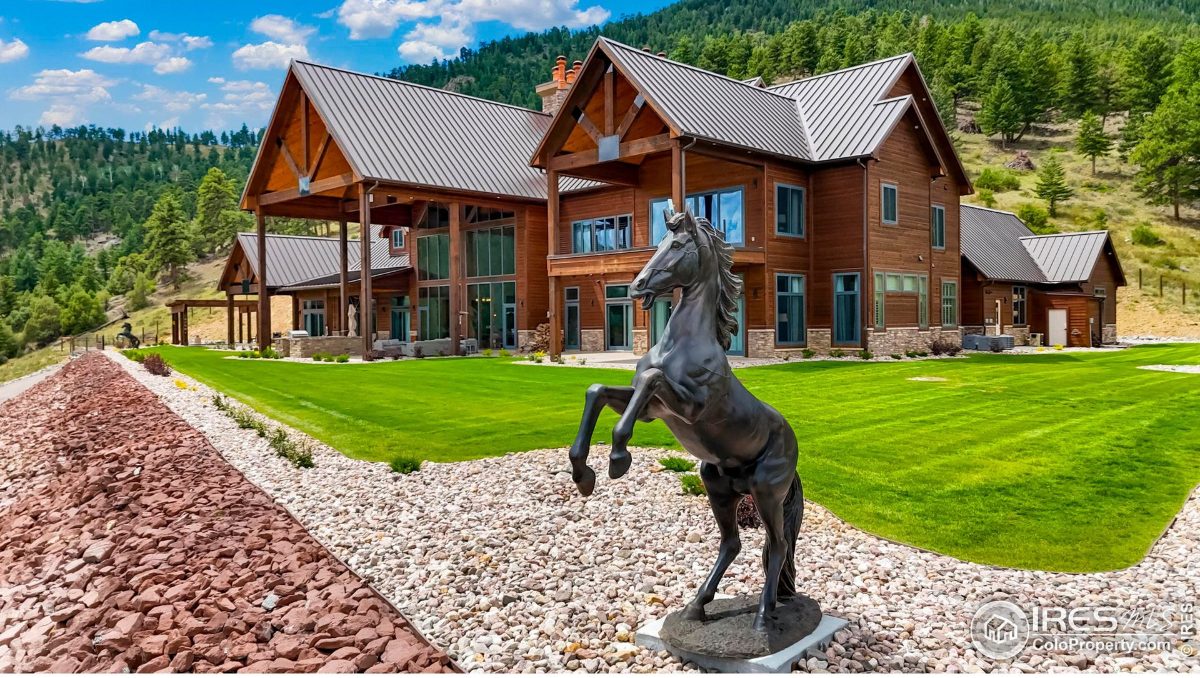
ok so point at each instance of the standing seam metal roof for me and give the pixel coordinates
(391, 130)
(1000, 245)
(293, 260)
(711, 106)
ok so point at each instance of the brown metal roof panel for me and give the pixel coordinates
(294, 259)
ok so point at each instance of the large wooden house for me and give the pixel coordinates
(840, 192)
(1061, 288)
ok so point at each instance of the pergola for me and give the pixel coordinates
(244, 308)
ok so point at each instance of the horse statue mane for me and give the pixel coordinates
(730, 284)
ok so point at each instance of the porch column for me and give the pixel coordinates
(229, 308)
(552, 211)
(457, 289)
(364, 294)
(174, 327)
(241, 320)
(183, 326)
(264, 299)
(678, 190)
(295, 312)
(343, 285)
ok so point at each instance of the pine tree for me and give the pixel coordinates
(1091, 140)
(82, 312)
(1052, 184)
(139, 295)
(1145, 72)
(168, 238)
(1168, 155)
(1081, 79)
(999, 113)
(214, 197)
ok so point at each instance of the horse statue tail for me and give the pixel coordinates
(793, 514)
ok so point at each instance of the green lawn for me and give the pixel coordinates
(1061, 461)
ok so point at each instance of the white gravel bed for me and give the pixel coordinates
(1188, 369)
(501, 563)
(1153, 339)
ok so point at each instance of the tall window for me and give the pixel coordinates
(949, 303)
(724, 209)
(313, 313)
(923, 302)
(571, 317)
(789, 309)
(845, 308)
(1018, 305)
(433, 308)
(433, 257)
(397, 238)
(880, 300)
(789, 210)
(602, 234)
(491, 251)
(937, 226)
(890, 197)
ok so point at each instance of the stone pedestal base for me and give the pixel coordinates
(728, 643)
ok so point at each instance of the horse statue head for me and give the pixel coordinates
(695, 257)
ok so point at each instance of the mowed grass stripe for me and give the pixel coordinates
(1057, 461)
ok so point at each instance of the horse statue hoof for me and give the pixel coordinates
(585, 480)
(694, 612)
(618, 464)
(760, 623)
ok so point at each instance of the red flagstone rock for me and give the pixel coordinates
(127, 544)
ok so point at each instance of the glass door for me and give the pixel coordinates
(401, 322)
(618, 318)
(737, 342)
(571, 318)
(314, 318)
(846, 308)
(660, 313)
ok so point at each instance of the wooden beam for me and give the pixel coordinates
(630, 115)
(343, 276)
(316, 166)
(264, 297)
(287, 155)
(420, 208)
(678, 190)
(635, 147)
(456, 274)
(582, 119)
(617, 173)
(304, 130)
(608, 101)
(364, 283)
(326, 184)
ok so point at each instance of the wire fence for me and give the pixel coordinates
(1168, 287)
(98, 340)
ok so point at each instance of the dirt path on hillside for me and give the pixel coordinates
(128, 544)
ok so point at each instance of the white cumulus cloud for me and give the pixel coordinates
(13, 50)
(190, 42)
(243, 100)
(141, 53)
(175, 101)
(172, 65)
(534, 15)
(66, 86)
(63, 115)
(426, 42)
(281, 29)
(379, 18)
(111, 31)
(269, 54)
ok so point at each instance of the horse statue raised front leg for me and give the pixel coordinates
(745, 447)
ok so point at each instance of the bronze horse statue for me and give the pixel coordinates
(745, 446)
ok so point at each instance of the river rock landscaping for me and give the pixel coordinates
(500, 562)
(128, 544)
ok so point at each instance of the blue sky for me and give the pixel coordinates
(215, 64)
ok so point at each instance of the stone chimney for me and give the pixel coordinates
(554, 92)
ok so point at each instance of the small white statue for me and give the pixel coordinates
(352, 320)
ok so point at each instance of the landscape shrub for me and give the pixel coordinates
(897, 356)
(583, 361)
(155, 365)
(837, 353)
(270, 353)
(486, 353)
(985, 196)
(405, 464)
(343, 358)
(677, 464)
(298, 453)
(865, 354)
(137, 355)
(942, 346)
(911, 354)
(998, 180)
(808, 353)
(537, 356)
(1036, 218)
(320, 356)
(691, 484)
(504, 353)
(1146, 237)
(1167, 263)
(418, 352)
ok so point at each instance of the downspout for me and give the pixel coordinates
(868, 276)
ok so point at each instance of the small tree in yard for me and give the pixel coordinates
(1091, 139)
(1000, 113)
(1052, 184)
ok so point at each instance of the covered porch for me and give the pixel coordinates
(238, 312)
